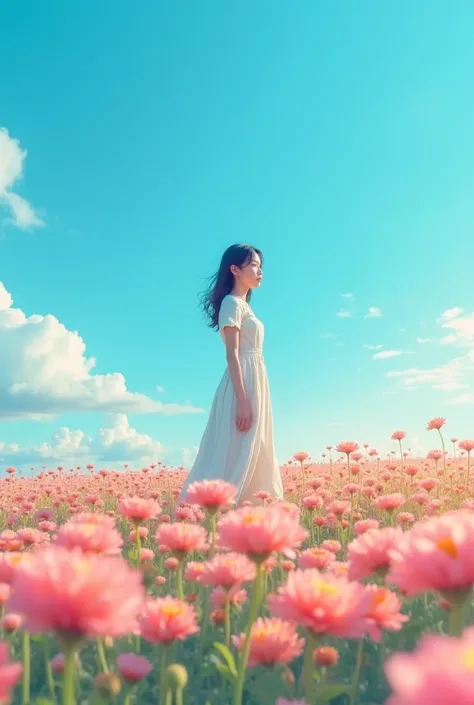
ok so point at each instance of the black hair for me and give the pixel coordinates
(222, 283)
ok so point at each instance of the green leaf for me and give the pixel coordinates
(43, 701)
(331, 692)
(227, 655)
(222, 668)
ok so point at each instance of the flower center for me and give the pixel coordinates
(448, 546)
(467, 658)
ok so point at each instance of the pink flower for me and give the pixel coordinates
(211, 494)
(398, 435)
(332, 545)
(436, 555)
(389, 502)
(436, 423)
(260, 531)
(384, 612)
(228, 569)
(284, 701)
(360, 527)
(10, 674)
(322, 603)
(272, 641)
(319, 558)
(132, 667)
(439, 671)
(194, 571)
(466, 445)
(347, 447)
(312, 502)
(167, 619)
(236, 596)
(83, 595)
(90, 538)
(301, 456)
(369, 553)
(182, 538)
(137, 509)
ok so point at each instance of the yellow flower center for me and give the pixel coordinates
(448, 546)
(172, 610)
(262, 633)
(467, 658)
(89, 529)
(253, 519)
(325, 588)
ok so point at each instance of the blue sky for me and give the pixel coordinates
(140, 141)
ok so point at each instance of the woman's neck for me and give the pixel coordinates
(240, 291)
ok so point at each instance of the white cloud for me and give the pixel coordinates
(448, 340)
(348, 297)
(464, 399)
(12, 157)
(116, 443)
(373, 347)
(189, 456)
(451, 313)
(160, 389)
(374, 312)
(423, 341)
(385, 354)
(44, 371)
(445, 377)
(344, 314)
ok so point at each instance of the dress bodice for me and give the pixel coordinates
(235, 312)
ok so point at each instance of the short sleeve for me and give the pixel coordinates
(230, 313)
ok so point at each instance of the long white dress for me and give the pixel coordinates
(246, 459)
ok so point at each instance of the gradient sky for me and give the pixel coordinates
(141, 140)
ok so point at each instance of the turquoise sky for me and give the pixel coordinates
(336, 136)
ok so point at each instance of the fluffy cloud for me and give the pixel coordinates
(374, 312)
(116, 443)
(373, 347)
(344, 314)
(423, 341)
(385, 354)
(44, 371)
(457, 373)
(12, 157)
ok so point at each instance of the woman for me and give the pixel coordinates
(237, 445)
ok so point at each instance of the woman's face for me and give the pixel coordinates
(250, 274)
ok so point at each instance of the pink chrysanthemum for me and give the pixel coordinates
(235, 596)
(319, 558)
(228, 569)
(182, 538)
(440, 671)
(133, 668)
(369, 553)
(10, 674)
(322, 603)
(272, 641)
(260, 531)
(436, 555)
(384, 612)
(347, 447)
(167, 619)
(90, 538)
(76, 594)
(211, 494)
(193, 571)
(137, 509)
(436, 423)
(390, 502)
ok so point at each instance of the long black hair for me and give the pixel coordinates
(222, 282)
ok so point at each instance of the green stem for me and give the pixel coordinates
(69, 697)
(456, 617)
(213, 525)
(26, 668)
(179, 696)
(227, 619)
(102, 657)
(162, 674)
(138, 545)
(179, 579)
(444, 452)
(49, 671)
(244, 656)
(356, 674)
(307, 683)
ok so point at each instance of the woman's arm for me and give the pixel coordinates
(244, 410)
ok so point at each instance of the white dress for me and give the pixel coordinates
(246, 459)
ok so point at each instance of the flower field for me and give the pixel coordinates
(356, 589)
